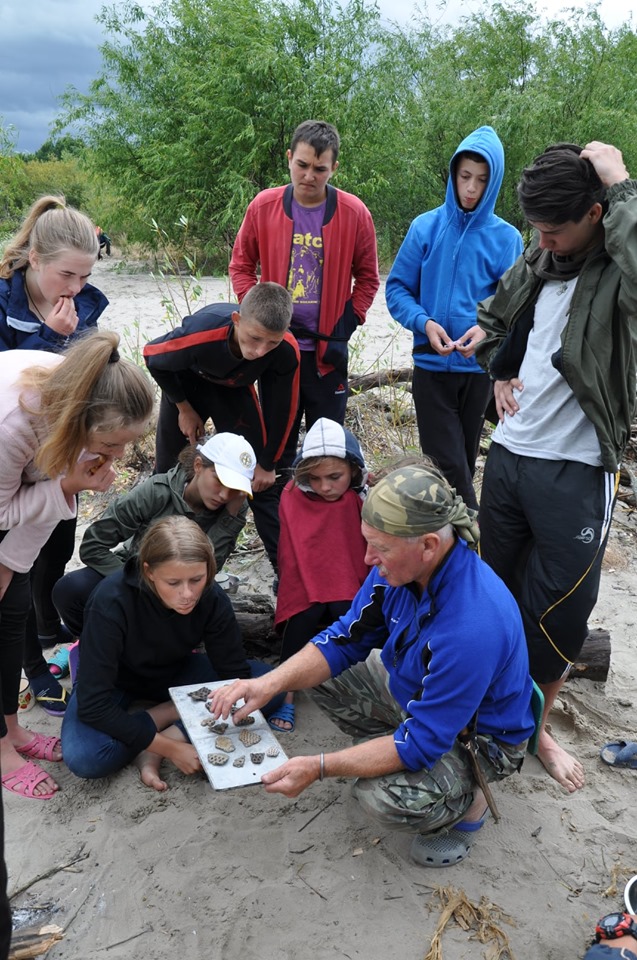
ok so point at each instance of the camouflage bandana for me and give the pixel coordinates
(413, 500)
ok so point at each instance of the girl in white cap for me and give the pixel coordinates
(321, 547)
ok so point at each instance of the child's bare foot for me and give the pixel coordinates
(148, 765)
(564, 768)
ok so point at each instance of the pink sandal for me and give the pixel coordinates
(24, 780)
(41, 747)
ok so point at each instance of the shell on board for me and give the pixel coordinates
(216, 726)
(257, 757)
(218, 759)
(225, 744)
(238, 761)
(201, 694)
(248, 738)
(246, 722)
(272, 752)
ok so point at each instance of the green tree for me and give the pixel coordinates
(193, 111)
(12, 181)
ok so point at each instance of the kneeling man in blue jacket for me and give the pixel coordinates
(429, 665)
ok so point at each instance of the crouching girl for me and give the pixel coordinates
(140, 627)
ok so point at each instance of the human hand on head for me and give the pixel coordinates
(607, 160)
(467, 343)
(63, 318)
(439, 339)
(505, 402)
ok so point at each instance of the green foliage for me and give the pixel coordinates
(194, 108)
(59, 149)
(181, 291)
(12, 181)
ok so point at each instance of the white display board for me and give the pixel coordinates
(197, 721)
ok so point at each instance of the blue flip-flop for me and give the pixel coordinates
(285, 713)
(623, 753)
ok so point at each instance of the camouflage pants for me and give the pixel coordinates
(422, 801)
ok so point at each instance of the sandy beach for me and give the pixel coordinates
(241, 875)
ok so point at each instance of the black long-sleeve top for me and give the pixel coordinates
(132, 642)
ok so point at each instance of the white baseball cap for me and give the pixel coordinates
(234, 460)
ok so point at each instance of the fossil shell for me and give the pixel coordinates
(248, 738)
(272, 752)
(238, 761)
(201, 694)
(217, 726)
(225, 744)
(246, 722)
(257, 757)
(218, 759)
(208, 705)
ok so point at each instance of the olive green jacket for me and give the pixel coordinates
(599, 341)
(126, 520)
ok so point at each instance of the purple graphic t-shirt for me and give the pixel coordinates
(306, 269)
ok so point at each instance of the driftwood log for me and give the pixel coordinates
(255, 614)
(380, 378)
(30, 943)
(593, 662)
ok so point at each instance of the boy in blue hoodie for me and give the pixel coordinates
(452, 257)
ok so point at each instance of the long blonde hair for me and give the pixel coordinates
(175, 539)
(91, 391)
(49, 228)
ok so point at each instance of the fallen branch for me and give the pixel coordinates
(380, 378)
(50, 873)
(312, 819)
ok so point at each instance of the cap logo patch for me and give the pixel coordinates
(245, 459)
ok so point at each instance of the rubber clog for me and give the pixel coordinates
(623, 753)
(27, 777)
(447, 847)
(41, 747)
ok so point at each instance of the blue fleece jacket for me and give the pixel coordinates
(457, 650)
(20, 329)
(450, 260)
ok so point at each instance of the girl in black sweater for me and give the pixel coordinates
(140, 627)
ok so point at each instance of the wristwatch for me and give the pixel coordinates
(615, 925)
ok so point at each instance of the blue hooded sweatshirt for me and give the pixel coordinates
(450, 260)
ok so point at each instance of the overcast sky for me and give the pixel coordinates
(48, 45)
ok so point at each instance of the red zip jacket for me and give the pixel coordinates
(349, 251)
